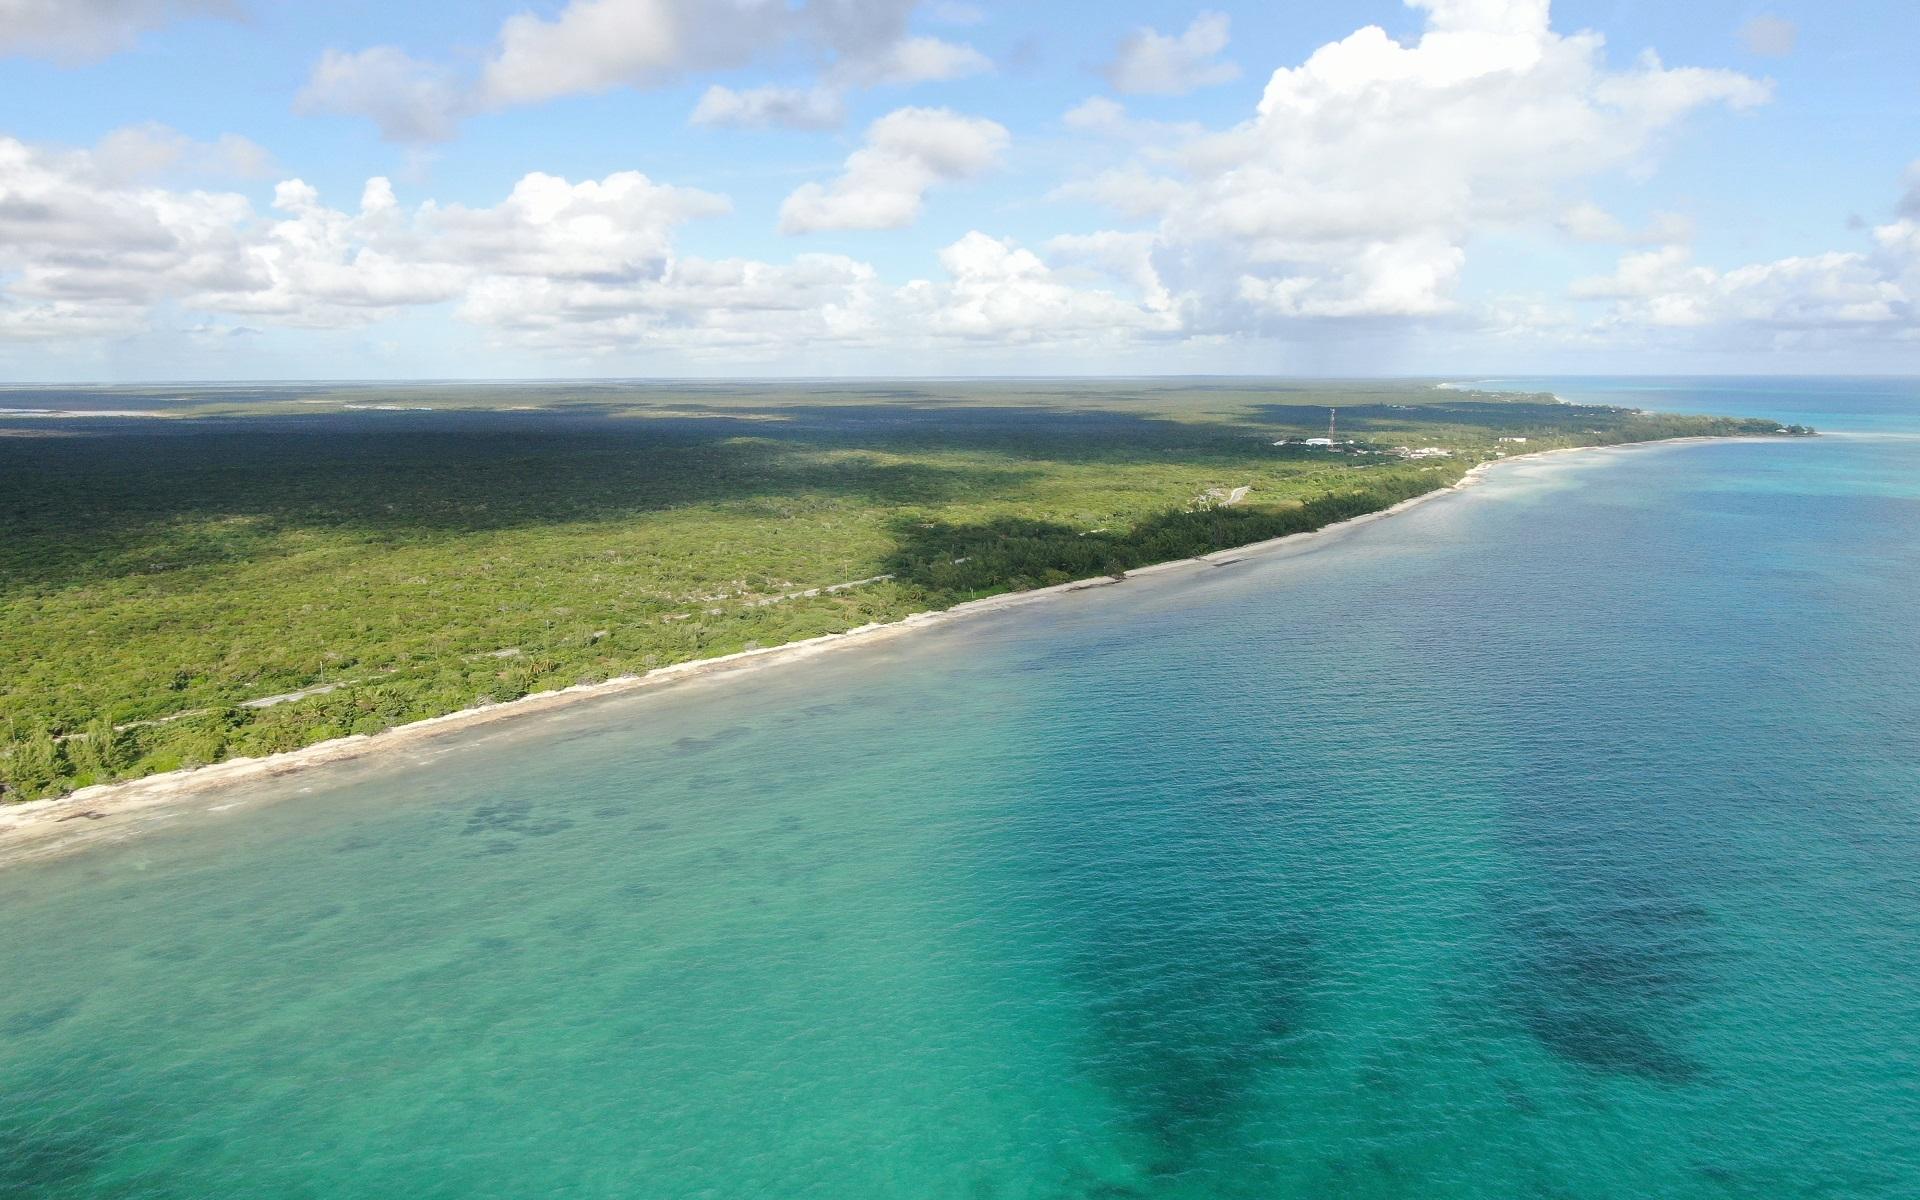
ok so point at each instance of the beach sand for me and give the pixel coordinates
(109, 812)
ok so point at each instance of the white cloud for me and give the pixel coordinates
(1365, 173)
(82, 30)
(411, 101)
(1588, 222)
(1770, 37)
(611, 230)
(998, 292)
(557, 265)
(1666, 287)
(1124, 257)
(1153, 63)
(595, 45)
(1802, 302)
(823, 105)
(905, 153)
(88, 250)
(85, 247)
(1132, 192)
(591, 46)
(916, 60)
(152, 149)
(757, 108)
(82, 246)
(1105, 117)
(693, 305)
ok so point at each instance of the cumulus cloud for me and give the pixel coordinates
(595, 45)
(758, 108)
(905, 153)
(89, 249)
(1365, 172)
(692, 305)
(1153, 63)
(82, 30)
(1770, 37)
(822, 105)
(84, 247)
(151, 150)
(1836, 298)
(999, 292)
(411, 101)
(1802, 300)
(591, 46)
(915, 60)
(1666, 287)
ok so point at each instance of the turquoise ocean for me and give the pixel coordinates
(1560, 838)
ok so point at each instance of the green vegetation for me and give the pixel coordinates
(266, 568)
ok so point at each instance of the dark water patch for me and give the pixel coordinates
(689, 745)
(276, 931)
(173, 952)
(41, 1157)
(1608, 985)
(515, 817)
(1193, 960)
(37, 1020)
(573, 925)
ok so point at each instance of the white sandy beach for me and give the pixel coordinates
(103, 812)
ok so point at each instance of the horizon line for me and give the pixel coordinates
(554, 380)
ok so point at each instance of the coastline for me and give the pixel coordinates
(43, 828)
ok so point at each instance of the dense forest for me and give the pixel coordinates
(252, 570)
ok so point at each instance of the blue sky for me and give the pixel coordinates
(742, 187)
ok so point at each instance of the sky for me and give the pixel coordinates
(262, 189)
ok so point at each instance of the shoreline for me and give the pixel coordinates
(38, 829)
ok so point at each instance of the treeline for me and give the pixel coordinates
(960, 562)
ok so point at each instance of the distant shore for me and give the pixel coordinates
(41, 828)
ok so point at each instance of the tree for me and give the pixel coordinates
(99, 753)
(34, 767)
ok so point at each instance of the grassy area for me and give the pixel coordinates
(482, 541)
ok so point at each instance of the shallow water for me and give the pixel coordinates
(1556, 839)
